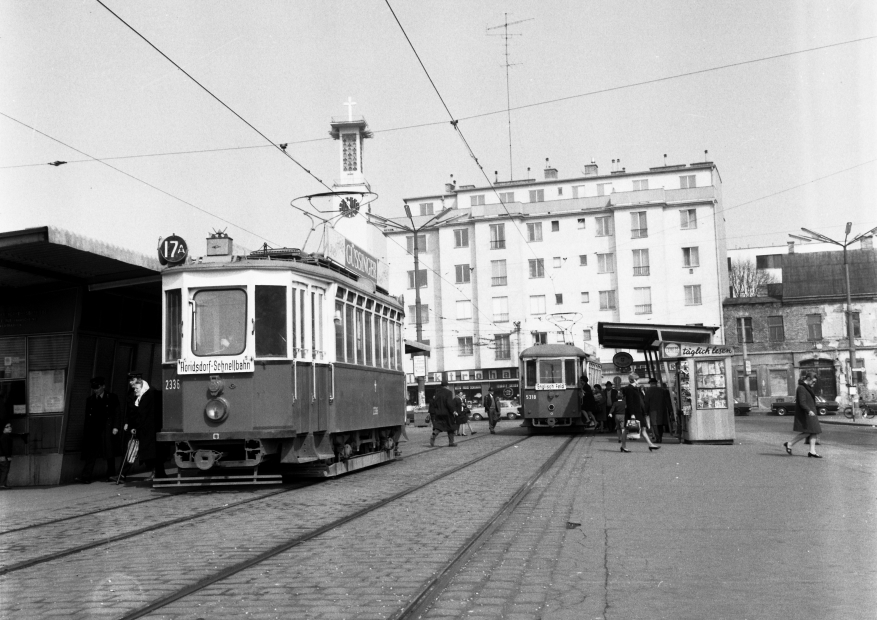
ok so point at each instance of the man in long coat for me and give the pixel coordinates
(101, 424)
(656, 408)
(441, 414)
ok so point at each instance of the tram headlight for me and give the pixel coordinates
(216, 410)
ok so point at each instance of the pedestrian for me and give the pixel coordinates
(491, 409)
(654, 405)
(617, 413)
(611, 395)
(99, 431)
(669, 409)
(806, 422)
(635, 409)
(441, 414)
(586, 401)
(6, 452)
(463, 416)
(144, 422)
(600, 406)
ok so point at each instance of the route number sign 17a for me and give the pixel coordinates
(172, 250)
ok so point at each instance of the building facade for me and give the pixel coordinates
(800, 323)
(528, 262)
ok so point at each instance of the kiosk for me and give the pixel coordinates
(703, 391)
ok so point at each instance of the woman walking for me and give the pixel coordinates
(600, 406)
(806, 423)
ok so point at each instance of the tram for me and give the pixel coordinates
(278, 361)
(549, 376)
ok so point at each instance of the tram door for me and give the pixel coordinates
(311, 380)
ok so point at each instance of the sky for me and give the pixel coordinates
(793, 132)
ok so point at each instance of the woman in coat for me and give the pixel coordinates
(145, 419)
(806, 422)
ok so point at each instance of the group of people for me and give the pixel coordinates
(108, 428)
(450, 414)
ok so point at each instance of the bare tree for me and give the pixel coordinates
(747, 281)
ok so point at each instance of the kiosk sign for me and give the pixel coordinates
(681, 349)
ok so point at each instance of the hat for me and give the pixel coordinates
(96, 382)
(134, 375)
(653, 380)
(609, 384)
(444, 382)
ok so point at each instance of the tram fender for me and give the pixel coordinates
(306, 448)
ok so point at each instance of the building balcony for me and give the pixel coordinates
(639, 233)
(501, 318)
(499, 281)
(497, 245)
(642, 309)
(641, 271)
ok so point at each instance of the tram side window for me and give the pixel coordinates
(351, 334)
(384, 356)
(399, 346)
(530, 373)
(317, 324)
(550, 371)
(270, 321)
(360, 336)
(339, 331)
(369, 340)
(569, 367)
(173, 336)
(302, 321)
(220, 322)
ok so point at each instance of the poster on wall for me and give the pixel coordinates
(46, 391)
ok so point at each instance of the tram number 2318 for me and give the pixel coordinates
(530, 396)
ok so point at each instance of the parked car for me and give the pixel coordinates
(741, 407)
(507, 409)
(787, 405)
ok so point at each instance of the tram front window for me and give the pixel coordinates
(220, 322)
(550, 371)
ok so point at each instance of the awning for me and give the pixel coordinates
(414, 347)
(646, 336)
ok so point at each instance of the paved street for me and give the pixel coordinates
(742, 531)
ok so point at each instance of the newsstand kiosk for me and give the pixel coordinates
(703, 390)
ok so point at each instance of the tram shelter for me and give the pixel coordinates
(70, 308)
(695, 368)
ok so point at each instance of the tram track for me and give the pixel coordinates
(17, 566)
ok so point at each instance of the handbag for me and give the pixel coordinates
(633, 428)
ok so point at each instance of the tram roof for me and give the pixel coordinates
(645, 336)
(553, 350)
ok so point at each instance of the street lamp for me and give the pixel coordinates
(421, 380)
(815, 236)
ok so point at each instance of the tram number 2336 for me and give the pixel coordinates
(171, 384)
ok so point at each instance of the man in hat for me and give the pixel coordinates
(491, 408)
(441, 414)
(101, 415)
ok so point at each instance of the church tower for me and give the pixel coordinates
(352, 133)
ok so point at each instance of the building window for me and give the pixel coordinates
(462, 273)
(640, 262)
(690, 257)
(688, 219)
(581, 223)
(501, 309)
(426, 208)
(603, 188)
(744, 329)
(638, 226)
(537, 304)
(537, 195)
(498, 273)
(560, 191)
(555, 225)
(421, 278)
(607, 300)
(814, 327)
(606, 263)
(688, 181)
(578, 191)
(558, 299)
(424, 314)
(857, 326)
(461, 238)
(604, 226)
(497, 236)
(741, 384)
(464, 310)
(642, 300)
(558, 262)
(586, 334)
(540, 338)
(503, 346)
(477, 200)
(534, 231)
(506, 197)
(421, 243)
(348, 144)
(465, 345)
(775, 329)
(639, 185)
(583, 260)
(586, 298)
(692, 295)
(537, 267)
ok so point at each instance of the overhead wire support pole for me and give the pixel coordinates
(508, 98)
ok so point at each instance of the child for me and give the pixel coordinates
(617, 413)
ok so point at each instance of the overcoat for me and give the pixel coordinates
(442, 411)
(805, 402)
(101, 416)
(633, 402)
(145, 417)
(586, 395)
(655, 406)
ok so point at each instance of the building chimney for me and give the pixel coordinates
(528, 173)
(867, 242)
(496, 176)
(791, 247)
(706, 155)
(590, 169)
(451, 186)
(665, 159)
(550, 173)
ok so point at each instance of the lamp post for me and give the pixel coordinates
(421, 379)
(815, 236)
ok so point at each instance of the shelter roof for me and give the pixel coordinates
(643, 336)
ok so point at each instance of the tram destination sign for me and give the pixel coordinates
(550, 386)
(213, 365)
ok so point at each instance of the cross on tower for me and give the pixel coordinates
(350, 103)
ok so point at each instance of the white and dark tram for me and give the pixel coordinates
(549, 376)
(278, 361)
